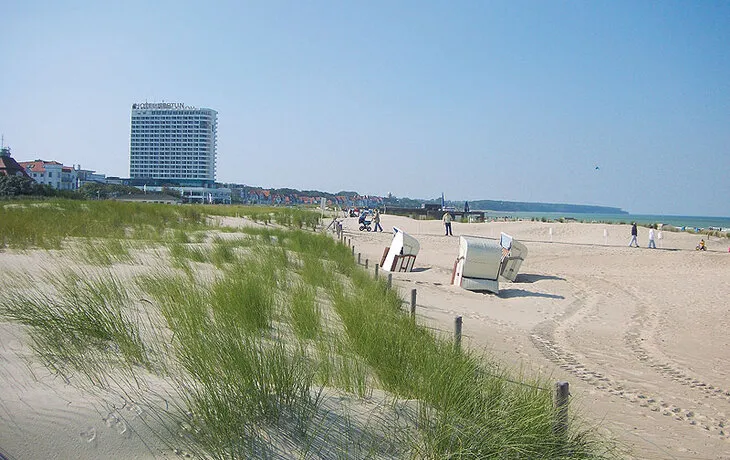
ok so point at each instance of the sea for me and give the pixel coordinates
(681, 222)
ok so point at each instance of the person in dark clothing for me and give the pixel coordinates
(376, 220)
(634, 235)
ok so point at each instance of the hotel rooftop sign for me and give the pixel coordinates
(162, 106)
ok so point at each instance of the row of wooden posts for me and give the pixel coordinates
(562, 389)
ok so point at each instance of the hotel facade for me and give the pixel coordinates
(172, 144)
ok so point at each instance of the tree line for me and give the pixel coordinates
(16, 186)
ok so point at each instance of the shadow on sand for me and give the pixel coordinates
(510, 293)
(420, 269)
(531, 278)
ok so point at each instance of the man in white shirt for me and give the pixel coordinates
(652, 245)
(447, 223)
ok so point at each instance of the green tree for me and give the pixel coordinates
(93, 190)
(22, 185)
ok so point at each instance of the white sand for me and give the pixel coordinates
(641, 335)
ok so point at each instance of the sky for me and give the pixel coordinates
(612, 103)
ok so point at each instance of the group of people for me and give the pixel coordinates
(375, 220)
(635, 235)
(652, 245)
(447, 219)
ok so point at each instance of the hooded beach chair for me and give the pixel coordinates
(400, 256)
(478, 266)
(513, 254)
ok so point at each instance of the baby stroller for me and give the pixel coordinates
(365, 223)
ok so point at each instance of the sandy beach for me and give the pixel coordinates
(640, 335)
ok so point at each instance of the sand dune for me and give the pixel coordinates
(641, 335)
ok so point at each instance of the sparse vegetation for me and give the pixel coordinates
(256, 343)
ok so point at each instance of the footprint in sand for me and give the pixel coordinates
(89, 435)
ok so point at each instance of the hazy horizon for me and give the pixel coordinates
(621, 104)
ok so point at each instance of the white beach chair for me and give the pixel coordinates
(478, 266)
(400, 256)
(513, 254)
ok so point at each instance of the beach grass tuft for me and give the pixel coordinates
(84, 326)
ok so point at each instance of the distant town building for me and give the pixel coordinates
(51, 173)
(84, 176)
(59, 176)
(113, 180)
(8, 165)
(172, 143)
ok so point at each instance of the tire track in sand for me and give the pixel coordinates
(641, 339)
(551, 339)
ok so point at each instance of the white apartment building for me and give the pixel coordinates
(59, 176)
(51, 173)
(172, 143)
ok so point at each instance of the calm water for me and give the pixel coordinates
(677, 221)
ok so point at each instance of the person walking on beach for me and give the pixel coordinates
(447, 223)
(376, 221)
(634, 235)
(652, 245)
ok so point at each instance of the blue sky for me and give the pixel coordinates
(507, 100)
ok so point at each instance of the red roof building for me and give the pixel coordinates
(8, 166)
(51, 173)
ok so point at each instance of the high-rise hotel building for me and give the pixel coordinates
(172, 143)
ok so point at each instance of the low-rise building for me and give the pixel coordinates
(50, 173)
(59, 176)
(8, 165)
(84, 176)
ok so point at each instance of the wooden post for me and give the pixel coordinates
(390, 280)
(413, 303)
(457, 333)
(366, 264)
(353, 251)
(562, 392)
(358, 258)
(376, 271)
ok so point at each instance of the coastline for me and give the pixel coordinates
(680, 222)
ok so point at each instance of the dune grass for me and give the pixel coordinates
(46, 224)
(289, 217)
(304, 312)
(85, 325)
(104, 252)
(255, 353)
